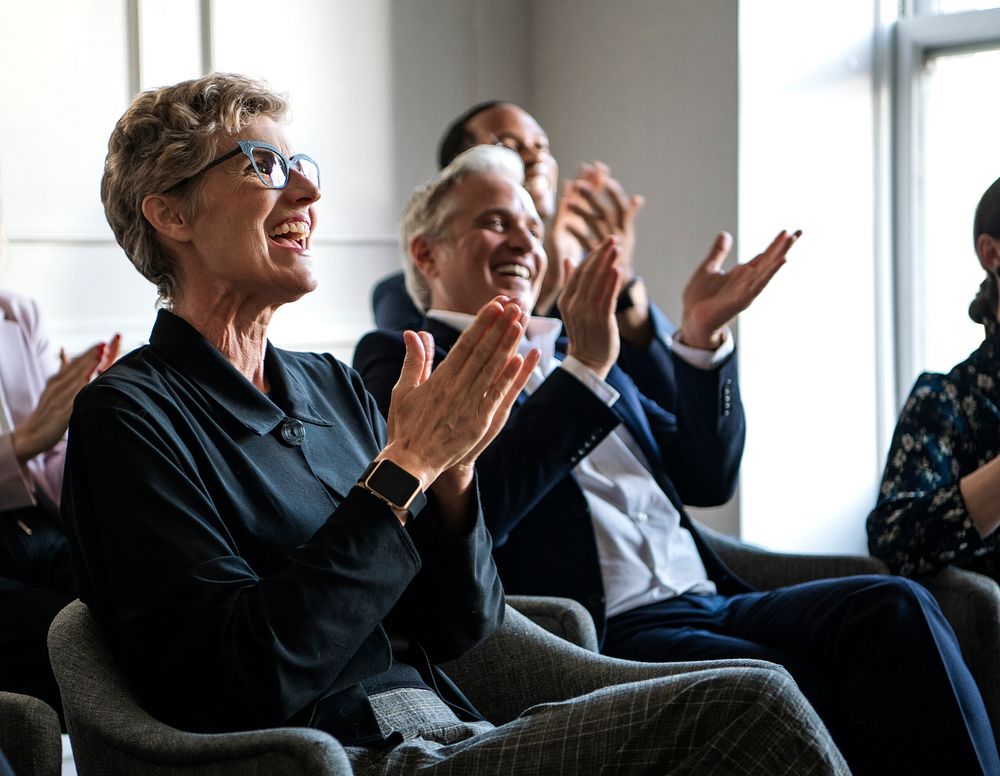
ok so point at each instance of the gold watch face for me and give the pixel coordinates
(392, 483)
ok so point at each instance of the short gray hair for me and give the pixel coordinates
(164, 137)
(432, 205)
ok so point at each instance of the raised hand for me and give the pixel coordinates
(442, 419)
(587, 306)
(713, 296)
(591, 208)
(607, 210)
(47, 424)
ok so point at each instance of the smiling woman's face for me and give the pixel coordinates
(493, 245)
(246, 238)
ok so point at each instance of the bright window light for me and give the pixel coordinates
(960, 159)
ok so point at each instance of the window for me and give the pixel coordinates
(946, 156)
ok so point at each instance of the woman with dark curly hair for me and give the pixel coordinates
(940, 498)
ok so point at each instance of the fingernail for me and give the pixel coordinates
(798, 233)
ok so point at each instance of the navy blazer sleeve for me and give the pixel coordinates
(550, 431)
(225, 640)
(702, 449)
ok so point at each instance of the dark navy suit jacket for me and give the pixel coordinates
(688, 421)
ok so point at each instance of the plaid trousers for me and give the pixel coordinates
(710, 722)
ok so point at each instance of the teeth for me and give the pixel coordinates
(513, 269)
(300, 228)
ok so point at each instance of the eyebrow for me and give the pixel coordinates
(502, 211)
(514, 136)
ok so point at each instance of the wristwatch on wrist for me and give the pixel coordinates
(626, 299)
(392, 484)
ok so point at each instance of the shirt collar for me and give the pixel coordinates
(184, 347)
(541, 332)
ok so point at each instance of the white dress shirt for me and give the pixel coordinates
(645, 553)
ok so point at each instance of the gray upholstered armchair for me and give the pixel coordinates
(521, 665)
(970, 601)
(113, 735)
(29, 735)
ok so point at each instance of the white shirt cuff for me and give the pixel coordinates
(704, 359)
(589, 378)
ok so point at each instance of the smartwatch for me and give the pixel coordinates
(392, 484)
(626, 297)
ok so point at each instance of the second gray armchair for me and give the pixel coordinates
(970, 601)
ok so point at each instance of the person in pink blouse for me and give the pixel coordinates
(37, 389)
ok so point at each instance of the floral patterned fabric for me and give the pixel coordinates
(948, 428)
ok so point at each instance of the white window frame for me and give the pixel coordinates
(918, 35)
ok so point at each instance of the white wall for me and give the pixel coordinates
(371, 85)
(809, 357)
(653, 87)
(649, 87)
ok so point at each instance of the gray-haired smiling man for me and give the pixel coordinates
(584, 489)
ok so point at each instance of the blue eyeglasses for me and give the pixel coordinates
(271, 166)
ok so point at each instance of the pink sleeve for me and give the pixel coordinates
(18, 483)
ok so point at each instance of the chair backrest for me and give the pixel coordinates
(29, 735)
(113, 734)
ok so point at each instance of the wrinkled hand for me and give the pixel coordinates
(591, 208)
(713, 296)
(442, 419)
(48, 422)
(587, 306)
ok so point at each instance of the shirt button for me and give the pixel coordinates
(641, 517)
(293, 432)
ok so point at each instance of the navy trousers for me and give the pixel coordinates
(874, 655)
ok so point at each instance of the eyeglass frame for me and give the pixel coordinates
(246, 147)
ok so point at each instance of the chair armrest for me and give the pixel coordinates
(768, 570)
(112, 733)
(971, 603)
(30, 735)
(523, 664)
(564, 617)
(277, 750)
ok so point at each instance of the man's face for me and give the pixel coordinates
(510, 126)
(493, 246)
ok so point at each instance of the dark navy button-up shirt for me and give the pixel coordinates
(240, 577)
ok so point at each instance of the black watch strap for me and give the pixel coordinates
(625, 299)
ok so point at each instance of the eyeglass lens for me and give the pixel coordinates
(273, 170)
